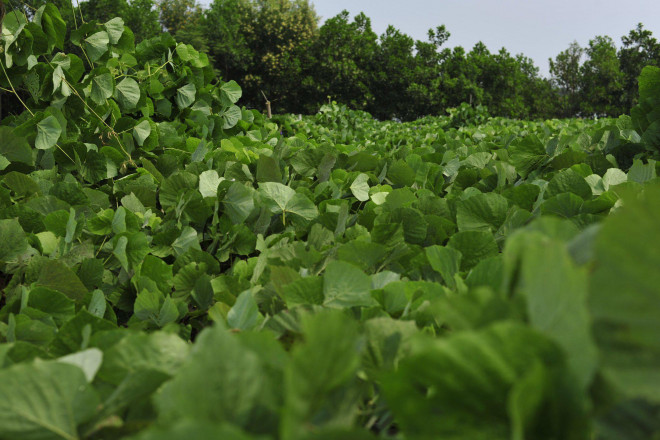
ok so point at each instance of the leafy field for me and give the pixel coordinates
(173, 266)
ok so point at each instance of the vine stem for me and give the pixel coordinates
(28, 108)
(14, 90)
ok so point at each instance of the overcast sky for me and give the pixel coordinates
(538, 29)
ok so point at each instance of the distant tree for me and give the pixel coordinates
(601, 79)
(458, 78)
(424, 91)
(343, 61)
(566, 76)
(271, 39)
(224, 25)
(639, 49)
(141, 16)
(395, 67)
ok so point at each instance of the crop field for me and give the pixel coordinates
(175, 266)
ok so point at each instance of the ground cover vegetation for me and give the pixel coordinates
(278, 49)
(176, 266)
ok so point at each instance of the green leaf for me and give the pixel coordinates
(360, 187)
(319, 383)
(23, 185)
(344, 285)
(44, 400)
(446, 261)
(208, 184)
(96, 45)
(157, 270)
(202, 292)
(13, 240)
(556, 293)
(268, 169)
(244, 314)
(189, 428)
(244, 390)
(115, 29)
(230, 93)
(469, 377)
(103, 86)
(53, 26)
(15, 148)
(185, 96)
(187, 240)
(474, 246)
(568, 181)
(280, 198)
(141, 132)
(304, 291)
(48, 133)
(231, 116)
(527, 155)
(127, 93)
(161, 352)
(55, 303)
(482, 212)
(57, 276)
(89, 361)
(624, 296)
(640, 172)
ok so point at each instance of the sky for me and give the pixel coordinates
(535, 28)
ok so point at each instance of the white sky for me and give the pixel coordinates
(538, 29)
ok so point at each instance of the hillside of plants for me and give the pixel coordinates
(176, 266)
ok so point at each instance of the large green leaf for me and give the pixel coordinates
(625, 295)
(127, 93)
(238, 202)
(360, 187)
(48, 133)
(446, 261)
(54, 274)
(96, 45)
(280, 199)
(136, 352)
(185, 96)
(222, 380)
(12, 238)
(14, 148)
(466, 387)
(474, 246)
(482, 212)
(568, 181)
(556, 294)
(320, 383)
(344, 285)
(44, 400)
(208, 183)
(103, 86)
(115, 29)
(230, 93)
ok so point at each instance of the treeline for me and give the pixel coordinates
(277, 51)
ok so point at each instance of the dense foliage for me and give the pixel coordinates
(173, 266)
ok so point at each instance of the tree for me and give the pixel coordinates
(395, 66)
(224, 25)
(424, 92)
(343, 57)
(141, 16)
(601, 79)
(566, 76)
(274, 36)
(639, 49)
